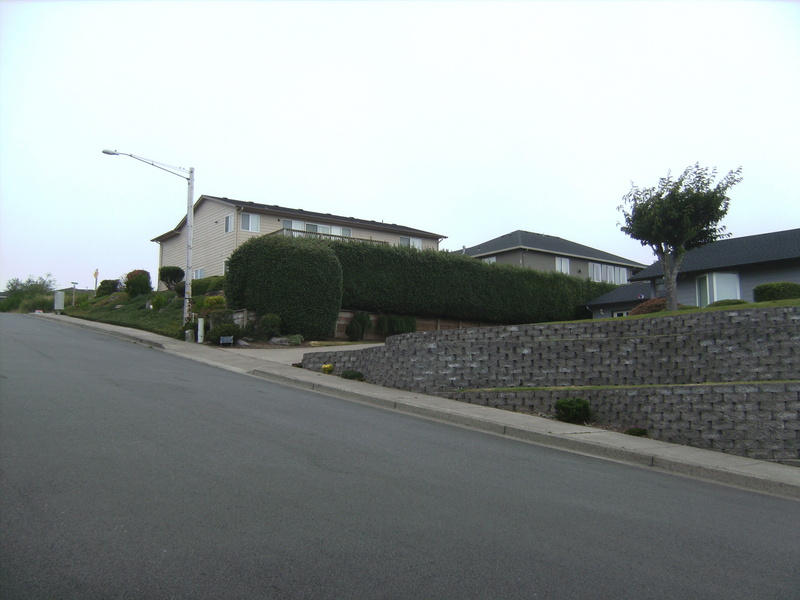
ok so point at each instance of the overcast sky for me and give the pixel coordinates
(466, 119)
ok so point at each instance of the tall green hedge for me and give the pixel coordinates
(298, 279)
(429, 283)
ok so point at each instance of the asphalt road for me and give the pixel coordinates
(131, 473)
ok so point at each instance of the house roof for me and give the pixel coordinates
(631, 292)
(304, 215)
(526, 240)
(734, 252)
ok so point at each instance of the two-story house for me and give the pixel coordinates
(220, 225)
(550, 253)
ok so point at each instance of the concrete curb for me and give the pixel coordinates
(727, 469)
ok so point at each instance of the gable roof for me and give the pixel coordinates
(734, 252)
(631, 292)
(526, 240)
(304, 215)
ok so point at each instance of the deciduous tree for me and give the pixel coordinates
(678, 215)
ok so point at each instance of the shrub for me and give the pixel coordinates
(219, 317)
(160, 300)
(299, 279)
(731, 302)
(352, 375)
(200, 287)
(354, 331)
(223, 330)
(171, 276)
(649, 306)
(327, 369)
(295, 340)
(779, 290)
(43, 302)
(107, 287)
(427, 283)
(636, 431)
(214, 302)
(573, 410)
(137, 283)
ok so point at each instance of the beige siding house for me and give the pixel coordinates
(221, 225)
(550, 253)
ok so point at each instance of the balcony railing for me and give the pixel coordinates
(299, 233)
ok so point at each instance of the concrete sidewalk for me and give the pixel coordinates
(275, 365)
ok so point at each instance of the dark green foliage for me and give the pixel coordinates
(137, 283)
(731, 302)
(397, 325)
(354, 331)
(222, 330)
(220, 316)
(170, 276)
(107, 287)
(299, 279)
(269, 326)
(358, 327)
(180, 289)
(200, 287)
(428, 283)
(780, 290)
(357, 375)
(21, 295)
(573, 410)
(636, 431)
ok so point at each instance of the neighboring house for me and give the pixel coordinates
(731, 268)
(549, 253)
(220, 225)
(619, 302)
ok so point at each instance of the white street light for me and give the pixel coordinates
(187, 295)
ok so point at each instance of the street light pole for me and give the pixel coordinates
(189, 176)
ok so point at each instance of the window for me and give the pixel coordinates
(716, 286)
(198, 273)
(411, 242)
(608, 273)
(313, 228)
(342, 231)
(229, 223)
(562, 264)
(490, 259)
(250, 222)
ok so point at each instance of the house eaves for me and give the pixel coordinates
(734, 253)
(304, 215)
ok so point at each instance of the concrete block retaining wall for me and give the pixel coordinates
(757, 346)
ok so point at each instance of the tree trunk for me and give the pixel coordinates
(670, 263)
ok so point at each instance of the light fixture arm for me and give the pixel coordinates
(189, 177)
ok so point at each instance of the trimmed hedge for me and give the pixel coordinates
(298, 279)
(430, 283)
(780, 290)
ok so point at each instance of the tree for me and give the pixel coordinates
(171, 276)
(678, 215)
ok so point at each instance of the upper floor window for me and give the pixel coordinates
(411, 242)
(250, 222)
(229, 222)
(608, 273)
(489, 259)
(562, 264)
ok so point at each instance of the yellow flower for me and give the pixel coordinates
(327, 369)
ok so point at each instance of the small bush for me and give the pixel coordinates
(636, 431)
(171, 276)
(295, 340)
(159, 301)
(214, 302)
(649, 306)
(137, 283)
(107, 287)
(327, 369)
(357, 375)
(731, 302)
(573, 410)
(221, 316)
(223, 330)
(398, 325)
(43, 302)
(779, 290)
(202, 286)
(354, 331)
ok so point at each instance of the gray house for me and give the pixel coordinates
(727, 269)
(550, 253)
